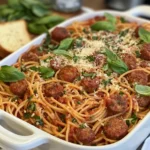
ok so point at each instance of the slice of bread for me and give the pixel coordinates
(13, 35)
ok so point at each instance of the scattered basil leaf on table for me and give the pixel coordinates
(39, 11)
(110, 18)
(36, 29)
(115, 63)
(63, 52)
(10, 74)
(142, 89)
(103, 25)
(144, 35)
(49, 19)
(65, 44)
(35, 12)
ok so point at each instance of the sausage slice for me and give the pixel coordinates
(19, 88)
(85, 135)
(117, 103)
(59, 33)
(145, 52)
(53, 90)
(115, 129)
(68, 73)
(90, 85)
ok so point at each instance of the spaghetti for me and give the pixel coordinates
(76, 95)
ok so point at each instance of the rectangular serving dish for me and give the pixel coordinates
(36, 137)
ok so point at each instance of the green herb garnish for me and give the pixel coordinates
(142, 90)
(90, 58)
(144, 35)
(132, 120)
(82, 126)
(137, 54)
(31, 106)
(66, 43)
(90, 74)
(115, 63)
(10, 74)
(74, 120)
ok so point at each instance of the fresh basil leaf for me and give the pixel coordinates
(63, 52)
(105, 67)
(7, 11)
(36, 29)
(115, 63)
(39, 10)
(110, 18)
(34, 68)
(103, 25)
(89, 74)
(46, 72)
(47, 40)
(65, 44)
(142, 89)
(3, 6)
(10, 74)
(49, 20)
(13, 2)
(144, 35)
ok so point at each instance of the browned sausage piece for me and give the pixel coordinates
(85, 135)
(19, 88)
(130, 60)
(117, 103)
(143, 101)
(59, 33)
(145, 64)
(139, 76)
(90, 85)
(145, 52)
(115, 129)
(53, 90)
(32, 55)
(56, 63)
(68, 73)
(100, 60)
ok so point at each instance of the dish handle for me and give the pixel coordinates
(141, 10)
(10, 140)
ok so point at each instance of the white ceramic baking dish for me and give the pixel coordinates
(19, 135)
